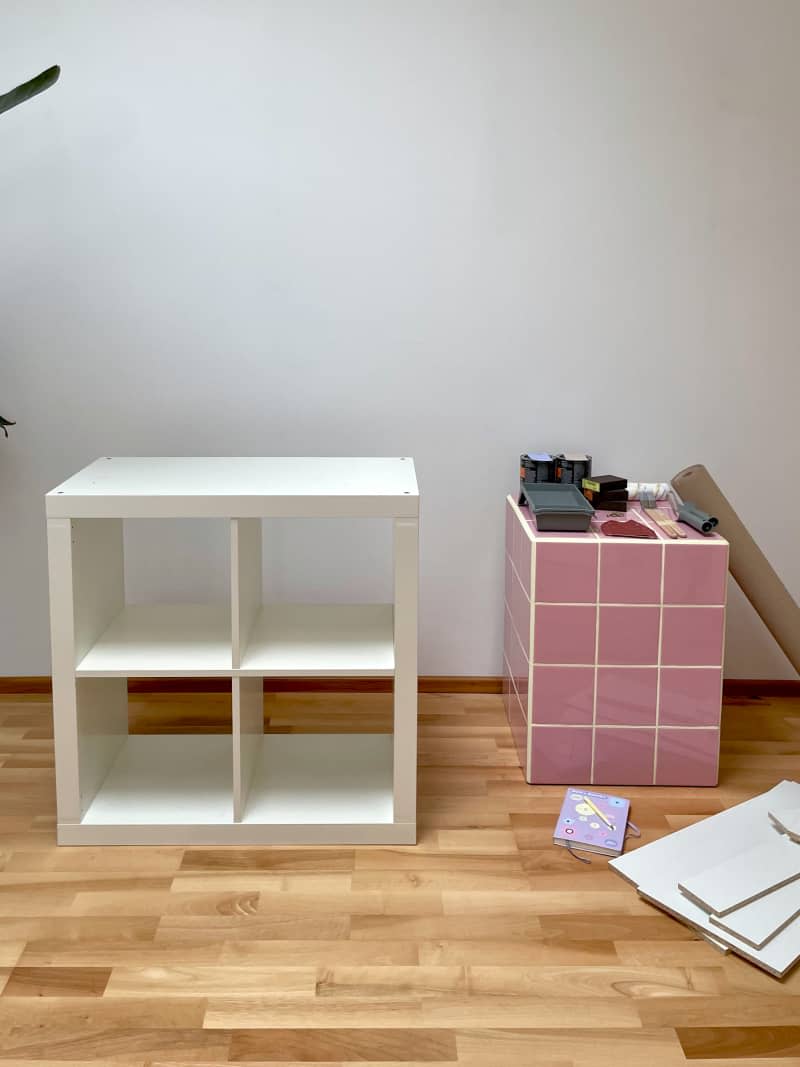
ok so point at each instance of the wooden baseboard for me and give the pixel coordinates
(41, 685)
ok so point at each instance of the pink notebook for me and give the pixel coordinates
(592, 822)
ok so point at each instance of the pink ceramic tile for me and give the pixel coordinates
(511, 521)
(690, 697)
(630, 572)
(561, 755)
(518, 665)
(566, 573)
(563, 695)
(564, 634)
(626, 696)
(520, 611)
(522, 557)
(692, 636)
(516, 721)
(628, 635)
(696, 574)
(623, 756)
(687, 757)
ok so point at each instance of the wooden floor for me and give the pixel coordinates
(482, 945)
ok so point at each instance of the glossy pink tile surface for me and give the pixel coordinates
(692, 636)
(623, 757)
(520, 608)
(561, 755)
(516, 720)
(563, 695)
(511, 522)
(628, 635)
(518, 666)
(690, 697)
(696, 574)
(522, 557)
(566, 573)
(626, 696)
(564, 634)
(687, 757)
(630, 572)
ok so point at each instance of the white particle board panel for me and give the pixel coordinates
(770, 863)
(166, 779)
(406, 595)
(102, 717)
(162, 640)
(321, 639)
(320, 779)
(238, 486)
(246, 579)
(375, 833)
(248, 730)
(788, 821)
(758, 922)
(655, 869)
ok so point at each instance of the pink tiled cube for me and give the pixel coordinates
(626, 696)
(518, 665)
(692, 636)
(566, 573)
(628, 635)
(563, 695)
(520, 609)
(623, 756)
(564, 634)
(561, 754)
(696, 574)
(687, 757)
(516, 720)
(630, 573)
(690, 696)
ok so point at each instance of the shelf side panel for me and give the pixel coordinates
(246, 579)
(248, 730)
(62, 642)
(406, 565)
(98, 579)
(102, 705)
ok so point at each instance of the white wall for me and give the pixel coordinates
(441, 228)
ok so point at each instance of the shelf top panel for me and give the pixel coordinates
(238, 487)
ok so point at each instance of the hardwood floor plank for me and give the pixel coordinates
(57, 982)
(343, 1045)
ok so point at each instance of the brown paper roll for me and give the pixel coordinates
(748, 564)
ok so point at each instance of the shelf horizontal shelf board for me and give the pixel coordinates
(162, 640)
(160, 779)
(321, 639)
(322, 779)
(238, 487)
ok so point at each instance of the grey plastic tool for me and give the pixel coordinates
(697, 519)
(558, 507)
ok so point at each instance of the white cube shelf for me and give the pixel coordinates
(243, 787)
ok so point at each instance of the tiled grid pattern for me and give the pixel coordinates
(613, 654)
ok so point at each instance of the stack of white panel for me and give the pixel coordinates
(734, 877)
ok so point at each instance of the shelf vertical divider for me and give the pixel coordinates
(248, 693)
(406, 567)
(248, 731)
(87, 591)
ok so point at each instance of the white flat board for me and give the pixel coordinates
(322, 779)
(772, 861)
(238, 487)
(321, 639)
(758, 922)
(165, 779)
(788, 821)
(161, 640)
(656, 868)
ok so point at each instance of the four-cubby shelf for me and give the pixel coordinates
(241, 786)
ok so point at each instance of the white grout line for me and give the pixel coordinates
(618, 726)
(528, 771)
(640, 666)
(596, 668)
(658, 674)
